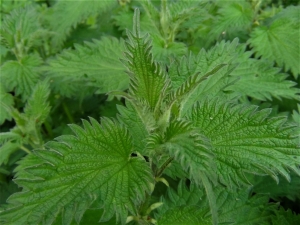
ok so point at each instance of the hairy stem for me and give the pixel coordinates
(163, 167)
(25, 149)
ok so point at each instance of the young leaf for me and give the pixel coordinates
(188, 147)
(37, 108)
(148, 79)
(183, 196)
(246, 141)
(21, 76)
(128, 116)
(22, 30)
(278, 41)
(187, 201)
(187, 89)
(206, 67)
(175, 171)
(163, 52)
(192, 151)
(94, 164)
(98, 60)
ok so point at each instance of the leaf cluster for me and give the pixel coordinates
(199, 107)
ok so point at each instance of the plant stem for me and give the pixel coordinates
(145, 205)
(68, 113)
(48, 128)
(25, 149)
(163, 167)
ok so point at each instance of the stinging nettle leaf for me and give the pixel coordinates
(184, 215)
(148, 80)
(21, 76)
(192, 150)
(6, 104)
(98, 60)
(185, 200)
(239, 207)
(233, 20)
(245, 141)
(260, 80)
(21, 30)
(37, 107)
(279, 41)
(70, 13)
(94, 164)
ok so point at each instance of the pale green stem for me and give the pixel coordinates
(25, 149)
(68, 113)
(163, 167)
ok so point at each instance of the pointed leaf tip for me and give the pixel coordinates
(136, 22)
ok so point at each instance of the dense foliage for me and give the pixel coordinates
(179, 112)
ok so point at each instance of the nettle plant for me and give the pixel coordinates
(178, 122)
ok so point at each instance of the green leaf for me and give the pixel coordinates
(278, 41)
(37, 108)
(6, 104)
(98, 60)
(184, 215)
(6, 136)
(183, 94)
(8, 6)
(192, 151)
(266, 185)
(296, 118)
(234, 19)
(206, 67)
(175, 171)
(28, 124)
(6, 150)
(291, 12)
(21, 76)
(244, 76)
(186, 199)
(128, 116)
(234, 206)
(163, 52)
(183, 196)
(71, 173)
(285, 217)
(149, 20)
(148, 79)
(68, 14)
(163, 49)
(246, 141)
(239, 207)
(181, 141)
(260, 80)
(22, 30)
